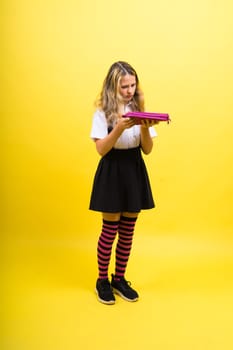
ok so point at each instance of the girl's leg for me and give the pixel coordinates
(105, 242)
(104, 250)
(111, 216)
(124, 244)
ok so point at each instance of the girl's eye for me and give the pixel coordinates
(126, 86)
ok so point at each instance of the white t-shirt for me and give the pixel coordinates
(130, 138)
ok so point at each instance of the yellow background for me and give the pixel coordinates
(55, 57)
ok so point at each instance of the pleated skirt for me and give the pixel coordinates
(121, 183)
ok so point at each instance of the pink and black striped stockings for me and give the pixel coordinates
(125, 229)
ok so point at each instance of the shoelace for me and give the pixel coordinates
(127, 284)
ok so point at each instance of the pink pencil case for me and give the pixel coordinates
(148, 115)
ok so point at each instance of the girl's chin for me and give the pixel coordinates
(127, 99)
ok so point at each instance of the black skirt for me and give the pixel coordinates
(121, 183)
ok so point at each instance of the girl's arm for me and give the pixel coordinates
(104, 145)
(146, 139)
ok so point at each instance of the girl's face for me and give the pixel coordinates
(127, 87)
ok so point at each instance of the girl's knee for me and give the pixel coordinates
(130, 215)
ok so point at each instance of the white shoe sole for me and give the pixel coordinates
(110, 302)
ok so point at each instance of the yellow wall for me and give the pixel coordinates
(55, 56)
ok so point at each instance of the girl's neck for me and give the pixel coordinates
(123, 106)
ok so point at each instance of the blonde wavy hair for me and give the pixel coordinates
(109, 99)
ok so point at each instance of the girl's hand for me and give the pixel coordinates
(147, 123)
(125, 123)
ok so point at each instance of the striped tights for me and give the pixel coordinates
(125, 229)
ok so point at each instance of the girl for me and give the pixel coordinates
(121, 185)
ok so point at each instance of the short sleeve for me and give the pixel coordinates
(99, 126)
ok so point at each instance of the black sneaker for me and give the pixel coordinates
(104, 291)
(122, 287)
